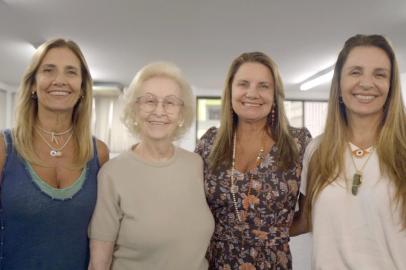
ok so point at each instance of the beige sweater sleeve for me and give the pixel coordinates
(107, 215)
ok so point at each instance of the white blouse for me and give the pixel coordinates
(356, 232)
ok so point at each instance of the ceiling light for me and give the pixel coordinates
(107, 89)
(319, 78)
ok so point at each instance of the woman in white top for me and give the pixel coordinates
(151, 210)
(354, 175)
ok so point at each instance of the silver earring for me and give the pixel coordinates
(180, 124)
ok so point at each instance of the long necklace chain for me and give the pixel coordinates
(55, 134)
(233, 186)
(357, 177)
(54, 152)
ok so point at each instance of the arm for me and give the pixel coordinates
(2, 156)
(300, 224)
(103, 152)
(101, 253)
(105, 223)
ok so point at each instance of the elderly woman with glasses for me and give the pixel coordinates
(151, 211)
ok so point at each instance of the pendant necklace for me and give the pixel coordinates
(357, 177)
(55, 134)
(54, 152)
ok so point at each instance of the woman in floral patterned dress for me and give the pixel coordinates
(252, 166)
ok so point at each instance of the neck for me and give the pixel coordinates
(155, 151)
(250, 130)
(54, 122)
(363, 131)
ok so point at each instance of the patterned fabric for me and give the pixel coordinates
(262, 240)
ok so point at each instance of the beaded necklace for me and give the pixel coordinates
(249, 199)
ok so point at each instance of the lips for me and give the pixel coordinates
(364, 98)
(251, 104)
(59, 93)
(157, 123)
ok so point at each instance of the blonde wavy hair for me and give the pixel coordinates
(152, 70)
(328, 159)
(221, 152)
(27, 108)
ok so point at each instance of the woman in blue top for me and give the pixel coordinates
(49, 163)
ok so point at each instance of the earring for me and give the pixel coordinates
(340, 100)
(135, 123)
(273, 113)
(180, 124)
(34, 95)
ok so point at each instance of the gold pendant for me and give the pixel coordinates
(356, 182)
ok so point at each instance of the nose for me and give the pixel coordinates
(252, 92)
(59, 79)
(159, 109)
(366, 82)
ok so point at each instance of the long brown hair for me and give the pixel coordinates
(328, 159)
(221, 152)
(27, 107)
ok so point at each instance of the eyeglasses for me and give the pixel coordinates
(149, 103)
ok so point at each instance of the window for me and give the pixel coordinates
(300, 113)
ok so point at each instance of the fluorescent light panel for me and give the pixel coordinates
(324, 78)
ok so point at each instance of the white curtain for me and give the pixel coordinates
(120, 139)
(315, 114)
(107, 125)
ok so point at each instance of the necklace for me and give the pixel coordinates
(359, 152)
(249, 200)
(357, 177)
(55, 152)
(55, 134)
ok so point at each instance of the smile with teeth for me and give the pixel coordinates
(364, 97)
(251, 104)
(59, 93)
(157, 123)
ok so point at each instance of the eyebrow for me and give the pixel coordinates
(48, 65)
(72, 67)
(53, 66)
(359, 67)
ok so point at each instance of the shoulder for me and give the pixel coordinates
(300, 133)
(117, 163)
(102, 151)
(210, 134)
(312, 146)
(302, 136)
(204, 144)
(208, 137)
(189, 157)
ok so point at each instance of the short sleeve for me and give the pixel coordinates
(107, 215)
(205, 143)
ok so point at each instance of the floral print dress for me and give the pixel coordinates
(261, 240)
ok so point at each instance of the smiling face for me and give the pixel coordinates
(58, 81)
(365, 82)
(252, 92)
(159, 109)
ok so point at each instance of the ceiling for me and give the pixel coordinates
(201, 37)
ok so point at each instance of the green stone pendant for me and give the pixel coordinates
(356, 182)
